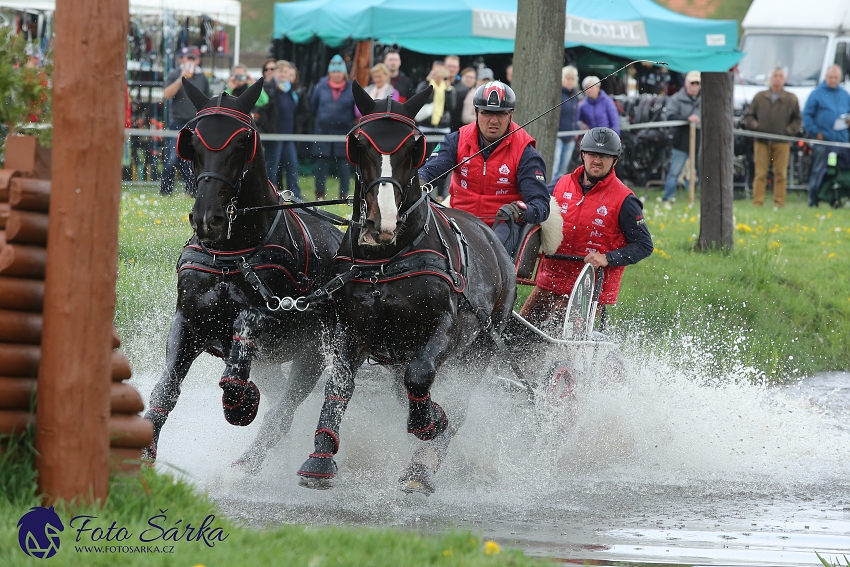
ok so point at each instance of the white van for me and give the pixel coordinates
(804, 37)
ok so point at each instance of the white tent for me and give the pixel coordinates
(227, 12)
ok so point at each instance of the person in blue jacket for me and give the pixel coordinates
(565, 146)
(598, 109)
(332, 103)
(827, 103)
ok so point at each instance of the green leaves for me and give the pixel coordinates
(25, 91)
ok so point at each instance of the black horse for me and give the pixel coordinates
(416, 285)
(233, 272)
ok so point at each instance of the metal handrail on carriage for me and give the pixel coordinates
(575, 295)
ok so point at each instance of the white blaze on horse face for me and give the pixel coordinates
(386, 197)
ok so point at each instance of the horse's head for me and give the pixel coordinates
(223, 145)
(387, 149)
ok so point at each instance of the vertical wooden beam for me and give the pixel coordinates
(538, 59)
(717, 156)
(72, 435)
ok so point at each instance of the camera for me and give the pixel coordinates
(240, 77)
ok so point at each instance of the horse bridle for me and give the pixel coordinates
(388, 115)
(247, 120)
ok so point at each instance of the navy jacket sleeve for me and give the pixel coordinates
(531, 178)
(637, 235)
(442, 159)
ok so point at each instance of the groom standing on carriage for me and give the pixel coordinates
(513, 187)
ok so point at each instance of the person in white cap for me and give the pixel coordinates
(686, 104)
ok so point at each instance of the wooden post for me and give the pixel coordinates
(692, 171)
(717, 156)
(75, 374)
(538, 60)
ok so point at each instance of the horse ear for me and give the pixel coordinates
(417, 101)
(362, 99)
(198, 98)
(248, 99)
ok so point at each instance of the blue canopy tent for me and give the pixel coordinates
(632, 29)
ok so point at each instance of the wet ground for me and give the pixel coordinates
(670, 468)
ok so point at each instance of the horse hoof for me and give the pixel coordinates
(417, 479)
(240, 400)
(317, 472)
(149, 454)
(315, 483)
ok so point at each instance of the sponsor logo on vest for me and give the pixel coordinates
(603, 211)
(463, 183)
(464, 171)
(599, 222)
(504, 169)
(564, 209)
(593, 250)
(568, 195)
(503, 180)
(501, 191)
(595, 232)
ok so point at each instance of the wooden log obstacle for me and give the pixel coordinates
(24, 207)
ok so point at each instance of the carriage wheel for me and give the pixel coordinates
(562, 383)
(612, 371)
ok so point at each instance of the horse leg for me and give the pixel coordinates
(183, 347)
(426, 419)
(303, 376)
(241, 397)
(320, 468)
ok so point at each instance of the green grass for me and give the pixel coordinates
(133, 500)
(778, 303)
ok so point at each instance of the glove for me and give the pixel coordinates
(515, 211)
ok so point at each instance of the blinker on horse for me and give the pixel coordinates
(234, 267)
(415, 287)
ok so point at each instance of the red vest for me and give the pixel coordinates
(591, 224)
(480, 187)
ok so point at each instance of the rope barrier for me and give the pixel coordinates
(147, 133)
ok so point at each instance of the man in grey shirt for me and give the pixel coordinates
(181, 110)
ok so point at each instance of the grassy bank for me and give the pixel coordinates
(776, 306)
(139, 504)
(778, 303)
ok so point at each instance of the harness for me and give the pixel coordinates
(186, 151)
(263, 257)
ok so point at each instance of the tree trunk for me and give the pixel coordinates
(716, 157)
(538, 58)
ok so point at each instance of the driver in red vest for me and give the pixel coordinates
(507, 179)
(603, 222)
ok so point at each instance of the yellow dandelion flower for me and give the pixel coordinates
(744, 227)
(491, 548)
(473, 541)
(447, 552)
(157, 221)
(832, 255)
(740, 240)
(664, 254)
(774, 244)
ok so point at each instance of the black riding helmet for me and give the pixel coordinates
(494, 96)
(601, 140)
